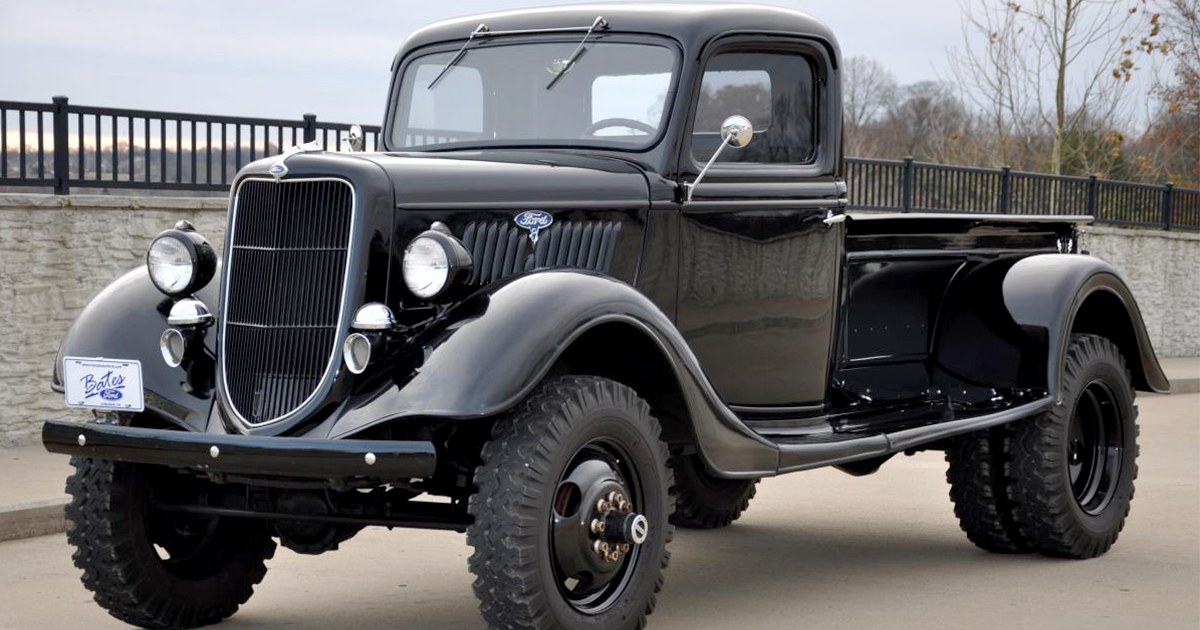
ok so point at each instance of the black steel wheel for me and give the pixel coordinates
(571, 510)
(1073, 467)
(704, 501)
(152, 569)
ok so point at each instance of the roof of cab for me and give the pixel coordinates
(691, 24)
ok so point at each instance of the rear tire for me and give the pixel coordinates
(213, 566)
(549, 466)
(704, 501)
(981, 490)
(1074, 465)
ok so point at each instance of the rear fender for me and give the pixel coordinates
(124, 322)
(1056, 295)
(487, 354)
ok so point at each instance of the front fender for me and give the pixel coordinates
(488, 353)
(1049, 295)
(124, 321)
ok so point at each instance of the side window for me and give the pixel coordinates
(774, 90)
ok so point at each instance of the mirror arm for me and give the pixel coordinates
(692, 186)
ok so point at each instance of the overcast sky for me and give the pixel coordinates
(285, 58)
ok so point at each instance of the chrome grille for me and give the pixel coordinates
(285, 275)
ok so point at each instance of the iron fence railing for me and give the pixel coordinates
(64, 146)
(910, 186)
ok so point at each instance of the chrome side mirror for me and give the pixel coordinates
(737, 132)
(355, 138)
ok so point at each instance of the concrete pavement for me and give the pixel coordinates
(816, 550)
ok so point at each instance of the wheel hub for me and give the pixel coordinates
(596, 528)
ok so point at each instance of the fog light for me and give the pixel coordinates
(172, 346)
(357, 352)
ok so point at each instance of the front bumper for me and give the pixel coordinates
(239, 454)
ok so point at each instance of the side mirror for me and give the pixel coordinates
(355, 138)
(737, 132)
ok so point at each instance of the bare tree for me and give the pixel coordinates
(928, 122)
(1050, 68)
(868, 90)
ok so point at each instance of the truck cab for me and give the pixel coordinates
(597, 281)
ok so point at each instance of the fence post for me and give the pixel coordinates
(1168, 205)
(906, 200)
(1093, 185)
(62, 153)
(1005, 188)
(310, 127)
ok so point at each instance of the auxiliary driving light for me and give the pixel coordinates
(357, 352)
(172, 345)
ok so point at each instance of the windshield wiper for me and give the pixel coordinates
(562, 67)
(482, 29)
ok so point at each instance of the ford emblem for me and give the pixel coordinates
(534, 221)
(110, 394)
(278, 170)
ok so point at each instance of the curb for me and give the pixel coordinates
(1185, 386)
(26, 520)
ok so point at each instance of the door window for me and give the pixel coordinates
(774, 90)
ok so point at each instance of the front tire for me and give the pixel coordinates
(211, 563)
(579, 450)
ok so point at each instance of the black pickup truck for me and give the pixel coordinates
(596, 283)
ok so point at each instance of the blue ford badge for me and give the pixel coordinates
(534, 221)
(278, 170)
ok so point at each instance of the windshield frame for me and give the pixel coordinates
(480, 45)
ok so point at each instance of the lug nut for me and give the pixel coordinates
(599, 547)
(597, 526)
(613, 556)
(603, 506)
(625, 547)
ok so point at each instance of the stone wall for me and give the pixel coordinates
(1163, 270)
(57, 253)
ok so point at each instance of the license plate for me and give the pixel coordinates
(103, 383)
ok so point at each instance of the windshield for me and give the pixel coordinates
(610, 94)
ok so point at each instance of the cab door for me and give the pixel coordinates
(758, 262)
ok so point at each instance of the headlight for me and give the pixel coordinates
(180, 261)
(433, 262)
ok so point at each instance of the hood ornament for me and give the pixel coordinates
(534, 221)
(279, 169)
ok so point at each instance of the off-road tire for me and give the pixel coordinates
(107, 526)
(515, 486)
(981, 490)
(703, 501)
(1046, 510)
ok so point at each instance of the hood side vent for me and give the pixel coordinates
(499, 249)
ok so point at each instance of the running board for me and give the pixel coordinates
(802, 453)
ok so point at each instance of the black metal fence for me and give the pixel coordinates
(64, 146)
(910, 186)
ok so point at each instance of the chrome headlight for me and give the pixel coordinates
(180, 261)
(433, 262)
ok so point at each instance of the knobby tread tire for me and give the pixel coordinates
(1045, 508)
(515, 473)
(706, 502)
(112, 557)
(981, 490)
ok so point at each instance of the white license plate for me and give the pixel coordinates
(103, 383)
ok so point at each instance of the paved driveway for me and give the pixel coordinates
(816, 550)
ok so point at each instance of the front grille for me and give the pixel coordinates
(500, 249)
(285, 273)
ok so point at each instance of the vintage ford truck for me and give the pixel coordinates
(597, 281)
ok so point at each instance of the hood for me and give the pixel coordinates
(503, 177)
